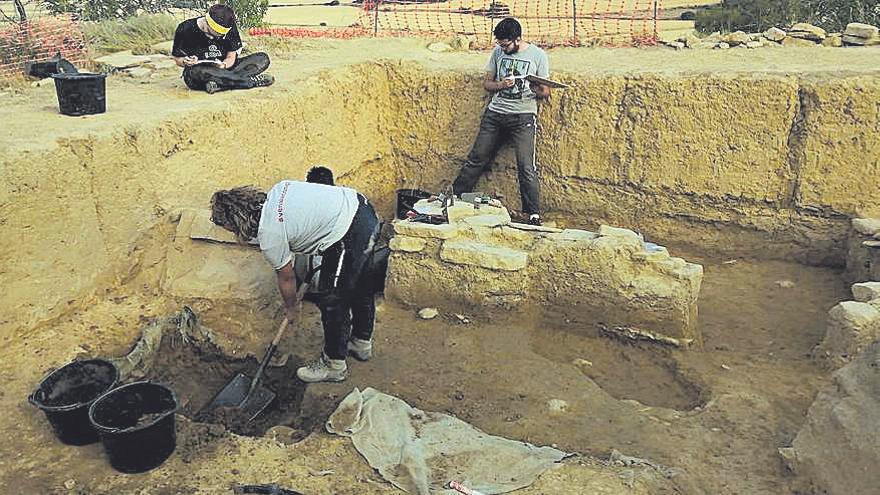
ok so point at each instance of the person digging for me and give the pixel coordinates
(207, 48)
(512, 113)
(341, 226)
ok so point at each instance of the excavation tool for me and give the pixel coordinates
(246, 394)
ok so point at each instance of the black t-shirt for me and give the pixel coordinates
(190, 41)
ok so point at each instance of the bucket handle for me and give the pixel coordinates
(32, 399)
(106, 429)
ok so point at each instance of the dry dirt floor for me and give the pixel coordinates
(715, 415)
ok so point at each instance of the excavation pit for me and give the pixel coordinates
(664, 146)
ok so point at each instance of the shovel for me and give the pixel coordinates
(246, 394)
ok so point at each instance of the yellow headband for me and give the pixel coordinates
(216, 26)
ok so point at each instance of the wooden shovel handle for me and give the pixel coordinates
(299, 295)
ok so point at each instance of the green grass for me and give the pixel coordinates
(136, 34)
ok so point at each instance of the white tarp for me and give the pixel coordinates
(419, 452)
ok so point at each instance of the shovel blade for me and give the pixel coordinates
(235, 392)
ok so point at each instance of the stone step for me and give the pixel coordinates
(483, 255)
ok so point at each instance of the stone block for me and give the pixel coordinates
(407, 244)
(754, 44)
(866, 226)
(774, 34)
(459, 210)
(858, 41)
(574, 235)
(861, 30)
(723, 45)
(736, 38)
(807, 31)
(836, 451)
(833, 41)
(488, 220)
(653, 254)
(866, 291)
(793, 41)
(852, 326)
(483, 255)
(426, 230)
(605, 230)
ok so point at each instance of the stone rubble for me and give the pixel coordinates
(800, 34)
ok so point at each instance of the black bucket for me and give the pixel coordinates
(81, 93)
(66, 394)
(407, 198)
(137, 425)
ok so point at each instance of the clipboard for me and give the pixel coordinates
(546, 82)
(540, 80)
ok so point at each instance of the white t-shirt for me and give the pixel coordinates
(303, 218)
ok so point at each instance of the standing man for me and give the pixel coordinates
(304, 218)
(512, 113)
(207, 48)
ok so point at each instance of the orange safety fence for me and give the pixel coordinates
(549, 22)
(39, 40)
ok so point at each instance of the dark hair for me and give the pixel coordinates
(508, 29)
(238, 210)
(223, 14)
(320, 175)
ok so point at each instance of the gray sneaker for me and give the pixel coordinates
(323, 370)
(362, 350)
(211, 87)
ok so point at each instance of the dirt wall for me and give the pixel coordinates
(765, 165)
(73, 217)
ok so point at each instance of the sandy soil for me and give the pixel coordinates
(130, 100)
(717, 414)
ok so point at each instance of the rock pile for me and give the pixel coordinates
(138, 66)
(800, 34)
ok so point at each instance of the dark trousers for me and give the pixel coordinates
(238, 77)
(347, 301)
(520, 129)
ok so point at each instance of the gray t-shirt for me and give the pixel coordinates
(518, 98)
(303, 218)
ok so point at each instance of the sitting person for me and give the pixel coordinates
(207, 48)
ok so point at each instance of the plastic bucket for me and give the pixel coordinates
(137, 425)
(407, 198)
(81, 93)
(66, 394)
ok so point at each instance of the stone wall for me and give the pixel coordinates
(481, 260)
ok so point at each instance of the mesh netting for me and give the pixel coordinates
(549, 22)
(39, 40)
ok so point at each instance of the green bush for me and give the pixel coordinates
(135, 33)
(249, 12)
(758, 15)
(99, 10)
(747, 15)
(834, 15)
